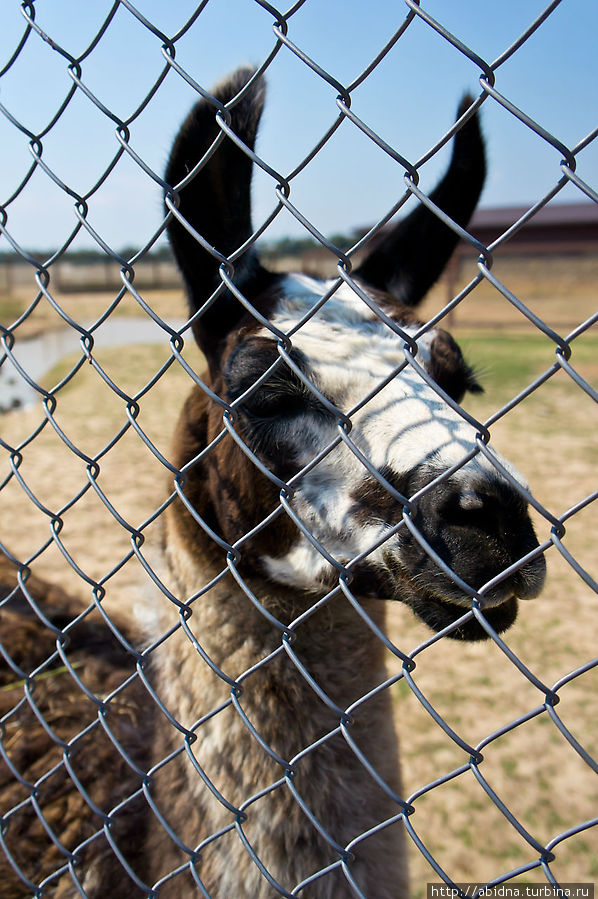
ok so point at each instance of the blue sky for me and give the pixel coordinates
(410, 100)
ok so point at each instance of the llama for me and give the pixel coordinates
(248, 759)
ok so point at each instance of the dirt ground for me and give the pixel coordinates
(538, 775)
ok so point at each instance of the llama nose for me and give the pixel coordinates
(479, 529)
(492, 501)
(470, 501)
(491, 510)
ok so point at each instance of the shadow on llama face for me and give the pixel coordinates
(352, 409)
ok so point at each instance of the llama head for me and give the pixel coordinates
(339, 412)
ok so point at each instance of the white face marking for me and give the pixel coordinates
(404, 426)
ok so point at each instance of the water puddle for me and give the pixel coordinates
(37, 355)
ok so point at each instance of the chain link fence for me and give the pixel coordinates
(83, 731)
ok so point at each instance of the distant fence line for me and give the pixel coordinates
(567, 234)
(91, 837)
(103, 274)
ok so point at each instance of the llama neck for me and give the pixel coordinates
(257, 729)
(333, 644)
(249, 744)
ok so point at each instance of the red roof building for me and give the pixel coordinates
(570, 228)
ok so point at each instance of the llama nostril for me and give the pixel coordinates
(471, 501)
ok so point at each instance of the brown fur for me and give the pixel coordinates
(344, 658)
(29, 749)
(231, 752)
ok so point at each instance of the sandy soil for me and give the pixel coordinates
(532, 768)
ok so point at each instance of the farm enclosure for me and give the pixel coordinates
(477, 694)
(119, 414)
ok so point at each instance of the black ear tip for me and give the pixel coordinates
(473, 384)
(246, 113)
(471, 130)
(200, 127)
(466, 102)
(469, 141)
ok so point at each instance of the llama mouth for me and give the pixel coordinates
(438, 612)
(441, 613)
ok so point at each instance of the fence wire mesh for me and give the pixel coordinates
(498, 782)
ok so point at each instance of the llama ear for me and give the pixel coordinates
(407, 260)
(216, 203)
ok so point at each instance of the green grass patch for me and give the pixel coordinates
(10, 310)
(509, 766)
(401, 690)
(506, 363)
(129, 367)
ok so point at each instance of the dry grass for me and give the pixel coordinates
(536, 773)
(82, 307)
(560, 290)
(476, 688)
(131, 477)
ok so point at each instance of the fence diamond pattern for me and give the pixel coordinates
(36, 694)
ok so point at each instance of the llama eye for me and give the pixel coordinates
(282, 395)
(273, 403)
